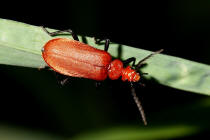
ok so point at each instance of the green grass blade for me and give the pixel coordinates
(136, 133)
(10, 132)
(20, 45)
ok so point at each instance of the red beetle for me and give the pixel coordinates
(73, 58)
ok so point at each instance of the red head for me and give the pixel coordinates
(116, 69)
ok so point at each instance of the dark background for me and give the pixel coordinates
(33, 99)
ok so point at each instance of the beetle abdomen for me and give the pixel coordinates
(73, 58)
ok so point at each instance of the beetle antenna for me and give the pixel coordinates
(138, 103)
(141, 62)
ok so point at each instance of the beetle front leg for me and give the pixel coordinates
(129, 60)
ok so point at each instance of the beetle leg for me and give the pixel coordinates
(106, 46)
(97, 84)
(75, 37)
(144, 73)
(44, 67)
(62, 79)
(98, 41)
(142, 62)
(129, 60)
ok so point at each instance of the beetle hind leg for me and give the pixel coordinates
(74, 35)
(107, 42)
(62, 79)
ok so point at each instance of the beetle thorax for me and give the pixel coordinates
(115, 70)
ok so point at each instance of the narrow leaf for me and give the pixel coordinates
(20, 45)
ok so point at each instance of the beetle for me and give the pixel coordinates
(76, 59)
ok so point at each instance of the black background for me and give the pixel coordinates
(181, 28)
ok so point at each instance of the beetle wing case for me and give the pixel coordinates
(73, 58)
